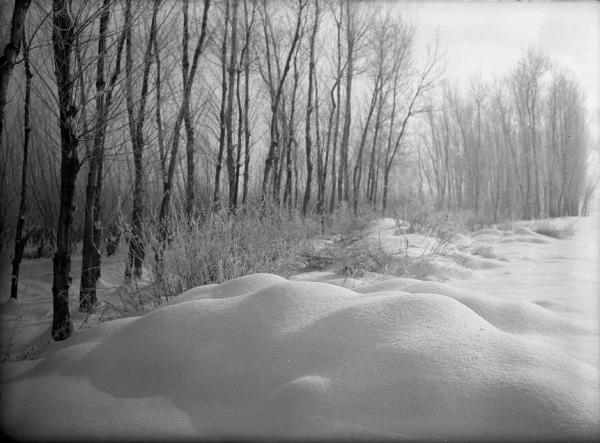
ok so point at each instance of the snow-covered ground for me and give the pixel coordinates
(500, 342)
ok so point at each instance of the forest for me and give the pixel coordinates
(144, 125)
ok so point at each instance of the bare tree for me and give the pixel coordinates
(190, 195)
(356, 177)
(20, 238)
(335, 107)
(290, 142)
(231, 161)
(63, 38)
(526, 91)
(309, 110)
(223, 112)
(343, 176)
(91, 253)
(11, 51)
(136, 128)
(426, 79)
(174, 143)
(246, 56)
(273, 154)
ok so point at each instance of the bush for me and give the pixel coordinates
(354, 262)
(222, 246)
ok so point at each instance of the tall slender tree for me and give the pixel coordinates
(231, 155)
(20, 237)
(91, 252)
(309, 110)
(190, 194)
(222, 112)
(246, 56)
(136, 128)
(273, 154)
(11, 51)
(63, 38)
(174, 142)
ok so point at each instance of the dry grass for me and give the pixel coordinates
(224, 246)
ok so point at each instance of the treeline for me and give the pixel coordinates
(122, 114)
(514, 148)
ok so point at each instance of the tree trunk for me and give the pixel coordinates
(231, 163)
(357, 175)
(242, 108)
(11, 50)
(388, 151)
(344, 176)
(373, 157)
(247, 103)
(322, 164)
(309, 109)
(222, 113)
(409, 113)
(190, 195)
(101, 125)
(174, 145)
(87, 292)
(291, 140)
(240, 132)
(62, 38)
(273, 153)
(19, 239)
(336, 104)
(136, 126)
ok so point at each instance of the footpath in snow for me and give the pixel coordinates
(509, 352)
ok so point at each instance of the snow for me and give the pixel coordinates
(510, 352)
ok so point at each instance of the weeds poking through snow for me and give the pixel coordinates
(223, 246)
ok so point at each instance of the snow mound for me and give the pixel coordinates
(526, 238)
(488, 232)
(475, 262)
(507, 315)
(232, 288)
(418, 255)
(261, 356)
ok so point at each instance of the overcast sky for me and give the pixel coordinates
(488, 38)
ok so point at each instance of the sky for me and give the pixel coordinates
(488, 38)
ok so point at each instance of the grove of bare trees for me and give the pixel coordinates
(122, 115)
(517, 148)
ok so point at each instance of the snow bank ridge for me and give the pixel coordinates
(261, 356)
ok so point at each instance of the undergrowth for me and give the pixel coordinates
(222, 246)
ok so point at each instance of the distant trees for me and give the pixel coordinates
(517, 149)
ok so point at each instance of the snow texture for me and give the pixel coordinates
(490, 357)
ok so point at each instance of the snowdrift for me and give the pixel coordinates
(423, 256)
(264, 357)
